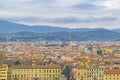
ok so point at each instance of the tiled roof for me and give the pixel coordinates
(51, 66)
(111, 71)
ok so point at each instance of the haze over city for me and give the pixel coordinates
(62, 13)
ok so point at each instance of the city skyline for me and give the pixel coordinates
(62, 13)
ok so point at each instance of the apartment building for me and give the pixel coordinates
(44, 72)
(81, 73)
(3, 71)
(112, 74)
(95, 73)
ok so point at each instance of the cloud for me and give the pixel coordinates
(111, 4)
(67, 20)
(62, 12)
(83, 20)
(86, 6)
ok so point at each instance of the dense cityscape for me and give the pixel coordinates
(59, 39)
(57, 60)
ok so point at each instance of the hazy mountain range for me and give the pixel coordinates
(21, 32)
(7, 27)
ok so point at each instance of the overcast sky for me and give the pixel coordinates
(63, 13)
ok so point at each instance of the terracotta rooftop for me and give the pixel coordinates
(50, 66)
(111, 71)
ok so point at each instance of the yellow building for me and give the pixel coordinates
(81, 69)
(112, 74)
(81, 73)
(95, 73)
(3, 71)
(108, 50)
(89, 71)
(45, 72)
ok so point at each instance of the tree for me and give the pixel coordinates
(66, 72)
(72, 78)
(17, 62)
(99, 52)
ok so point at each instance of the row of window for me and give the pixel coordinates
(42, 76)
(39, 71)
(95, 69)
(112, 74)
(112, 78)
